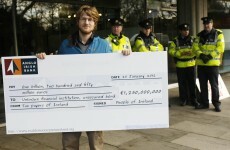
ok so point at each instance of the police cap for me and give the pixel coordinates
(147, 24)
(116, 21)
(184, 26)
(207, 20)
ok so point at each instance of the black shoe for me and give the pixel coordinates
(196, 104)
(201, 106)
(193, 102)
(217, 109)
(189, 103)
(183, 103)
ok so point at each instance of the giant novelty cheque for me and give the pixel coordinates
(67, 93)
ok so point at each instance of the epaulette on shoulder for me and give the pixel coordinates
(110, 35)
(138, 38)
(219, 31)
(154, 36)
(175, 39)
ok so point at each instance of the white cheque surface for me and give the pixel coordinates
(88, 93)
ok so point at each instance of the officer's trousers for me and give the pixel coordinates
(187, 83)
(205, 74)
(70, 140)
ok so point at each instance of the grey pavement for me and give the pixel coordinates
(189, 129)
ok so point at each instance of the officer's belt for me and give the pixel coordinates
(210, 43)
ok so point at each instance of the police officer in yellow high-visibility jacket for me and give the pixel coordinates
(117, 41)
(146, 41)
(209, 47)
(181, 50)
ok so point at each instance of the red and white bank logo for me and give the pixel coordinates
(21, 66)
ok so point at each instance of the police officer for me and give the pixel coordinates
(146, 40)
(117, 41)
(209, 47)
(181, 50)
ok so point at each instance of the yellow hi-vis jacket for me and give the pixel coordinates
(181, 49)
(141, 45)
(211, 43)
(118, 43)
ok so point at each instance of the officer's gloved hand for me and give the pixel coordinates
(209, 56)
(204, 58)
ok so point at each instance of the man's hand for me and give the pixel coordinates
(126, 52)
(205, 58)
(209, 56)
(41, 55)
